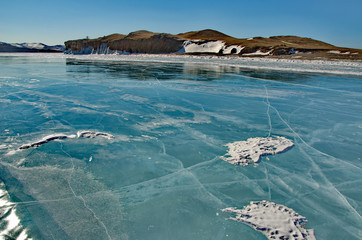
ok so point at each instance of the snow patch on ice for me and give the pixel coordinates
(249, 151)
(10, 222)
(275, 221)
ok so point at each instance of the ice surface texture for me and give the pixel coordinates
(274, 220)
(250, 151)
(161, 177)
(10, 227)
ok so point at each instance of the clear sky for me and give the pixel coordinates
(53, 22)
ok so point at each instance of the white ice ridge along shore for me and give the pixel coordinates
(275, 221)
(59, 136)
(10, 227)
(249, 151)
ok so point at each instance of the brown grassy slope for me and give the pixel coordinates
(143, 40)
(135, 42)
(286, 42)
(277, 41)
(112, 37)
(207, 34)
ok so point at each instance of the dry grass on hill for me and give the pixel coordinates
(280, 45)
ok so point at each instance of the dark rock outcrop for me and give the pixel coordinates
(135, 42)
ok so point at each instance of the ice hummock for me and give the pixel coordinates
(275, 221)
(249, 151)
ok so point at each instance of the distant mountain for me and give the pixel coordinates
(210, 42)
(30, 47)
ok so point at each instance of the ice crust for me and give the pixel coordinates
(54, 137)
(10, 222)
(275, 221)
(249, 151)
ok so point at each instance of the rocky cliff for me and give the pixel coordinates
(208, 42)
(135, 42)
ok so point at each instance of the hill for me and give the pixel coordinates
(29, 47)
(211, 42)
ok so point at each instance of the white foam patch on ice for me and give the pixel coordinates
(249, 151)
(275, 221)
(10, 222)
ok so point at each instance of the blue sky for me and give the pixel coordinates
(53, 22)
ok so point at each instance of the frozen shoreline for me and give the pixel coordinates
(334, 67)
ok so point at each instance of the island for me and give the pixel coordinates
(211, 42)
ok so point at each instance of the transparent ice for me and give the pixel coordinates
(161, 176)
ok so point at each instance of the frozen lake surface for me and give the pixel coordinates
(130, 147)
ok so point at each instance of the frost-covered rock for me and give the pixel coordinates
(44, 140)
(59, 136)
(91, 134)
(275, 221)
(250, 151)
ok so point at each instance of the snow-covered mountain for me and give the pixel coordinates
(29, 47)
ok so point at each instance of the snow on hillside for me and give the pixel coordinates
(23, 47)
(199, 46)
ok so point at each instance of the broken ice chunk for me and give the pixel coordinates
(275, 221)
(250, 151)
